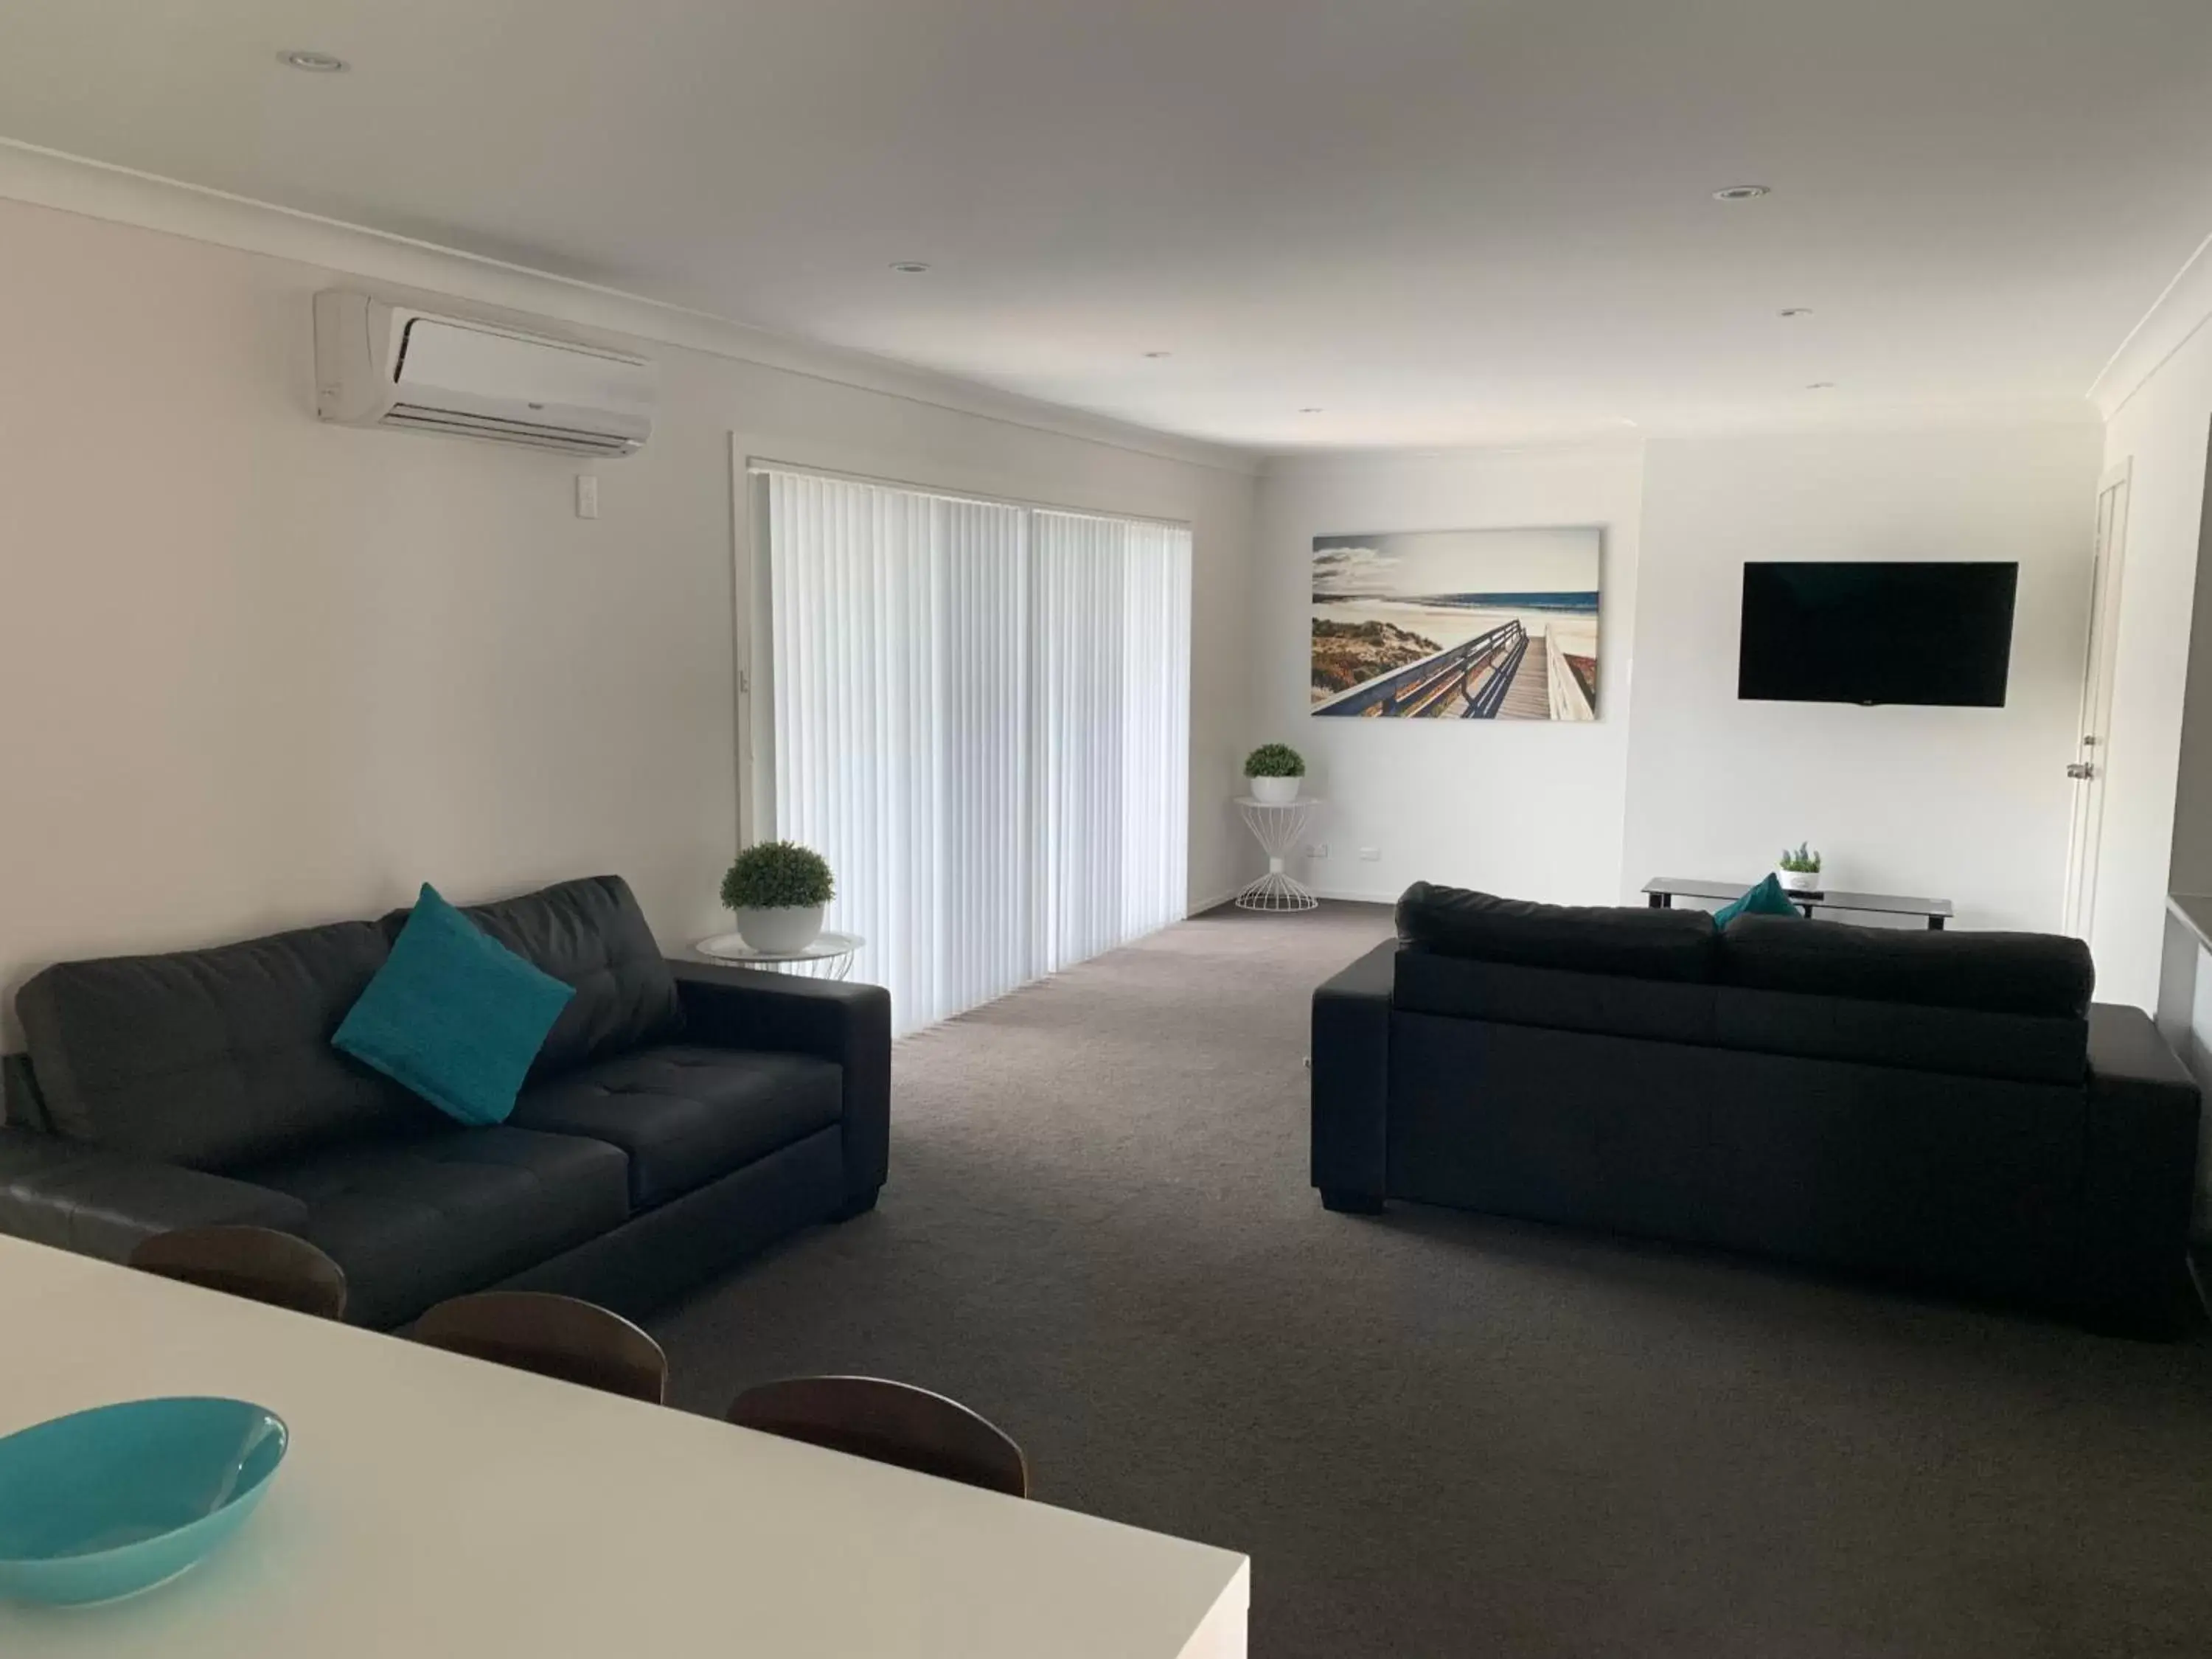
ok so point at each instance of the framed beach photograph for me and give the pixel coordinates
(1457, 624)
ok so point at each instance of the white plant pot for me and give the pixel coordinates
(1275, 791)
(780, 931)
(1800, 881)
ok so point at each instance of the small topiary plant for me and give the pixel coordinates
(776, 875)
(1274, 760)
(1802, 862)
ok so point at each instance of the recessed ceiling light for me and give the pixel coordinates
(910, 267)
(1794, 310)
(1741, 193)
(315, 63)
(1821, 386)
(1155, 355)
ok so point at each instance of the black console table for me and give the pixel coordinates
(1665, 890)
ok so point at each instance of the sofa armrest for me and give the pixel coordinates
(729, 1007)
(97, 1202)
(1351, 1081)
(2139, 1173)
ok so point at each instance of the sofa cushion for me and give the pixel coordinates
(414, 1220)
(686, 1116)
(1639, 942)
(591, 934)
(1999, 972)
(1963, 1041)
(105, 1203)
(1668, 1011)
(454, 1015)
(211, 1058)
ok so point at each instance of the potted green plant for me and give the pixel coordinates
(1800, 870)
(777, 890)
(1274, 770)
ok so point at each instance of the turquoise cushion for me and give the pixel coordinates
(453, 1014)
(1767, 899)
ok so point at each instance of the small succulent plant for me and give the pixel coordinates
(773, 875)
(1274, 760)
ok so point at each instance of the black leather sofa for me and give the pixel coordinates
(677, 1117)
(1947, 1108)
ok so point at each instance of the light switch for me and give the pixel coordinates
(587, 497)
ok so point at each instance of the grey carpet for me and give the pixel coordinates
(1439, 1434)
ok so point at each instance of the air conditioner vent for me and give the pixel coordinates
(378, 365)
(567, 441)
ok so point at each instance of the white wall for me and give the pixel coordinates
(1965, 803)
(1678, 777)
(1521, 807)
(2185, 1019)
(258, 672)
(2157, 793)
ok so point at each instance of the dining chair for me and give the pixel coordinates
(888, 1423)
(257, 1262)
(556, 1336)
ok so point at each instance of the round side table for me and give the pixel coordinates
(1278, 826)
(830, 955)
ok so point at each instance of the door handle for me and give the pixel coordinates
(2080, 770)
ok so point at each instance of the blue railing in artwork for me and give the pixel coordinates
(1478, 671)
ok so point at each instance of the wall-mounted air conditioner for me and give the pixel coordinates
(383, 365)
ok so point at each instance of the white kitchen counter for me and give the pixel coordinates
(435, 1507)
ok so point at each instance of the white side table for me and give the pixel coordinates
(830, 955)
(1278, 826)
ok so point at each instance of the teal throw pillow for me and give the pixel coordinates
(1767, 899)
(453, 1014)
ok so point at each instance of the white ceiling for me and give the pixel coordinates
(1441, 222)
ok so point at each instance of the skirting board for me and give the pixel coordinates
(1212, 901)
(1349, 895)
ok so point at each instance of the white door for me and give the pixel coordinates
(2092, 749)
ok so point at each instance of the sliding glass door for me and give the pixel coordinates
(981, 720)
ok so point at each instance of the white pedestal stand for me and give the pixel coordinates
(1277, 827)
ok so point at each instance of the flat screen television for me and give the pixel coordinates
(1933, 633)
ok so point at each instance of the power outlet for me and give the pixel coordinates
(1371, 855)
(1318, 850)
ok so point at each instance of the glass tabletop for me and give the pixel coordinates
(732, 947)
(1897, 904)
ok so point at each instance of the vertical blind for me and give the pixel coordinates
(981, 721)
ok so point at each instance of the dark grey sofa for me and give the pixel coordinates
(677, 1117)
(1942, 1107)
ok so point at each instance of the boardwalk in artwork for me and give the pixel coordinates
(1529, 696)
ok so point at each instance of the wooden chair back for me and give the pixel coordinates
(556, 1336)
(257, 1262)
(889, 1422)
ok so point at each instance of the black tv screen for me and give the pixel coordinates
(1876, 633)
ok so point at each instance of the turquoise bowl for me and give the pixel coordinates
(106, 1503)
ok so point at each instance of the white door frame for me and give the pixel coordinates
(2092, 752)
